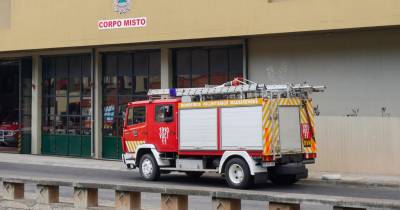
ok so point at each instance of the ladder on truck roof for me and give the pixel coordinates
(239, 89)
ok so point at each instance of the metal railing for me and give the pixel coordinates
(128, 196)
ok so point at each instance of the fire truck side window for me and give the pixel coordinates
(136, 115)
(164, 113)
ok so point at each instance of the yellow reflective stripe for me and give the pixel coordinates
(289, 101)
(133, 145)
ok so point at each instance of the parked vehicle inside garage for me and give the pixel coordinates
(9, 128)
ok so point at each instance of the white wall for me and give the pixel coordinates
(361, 69)
(358, 145)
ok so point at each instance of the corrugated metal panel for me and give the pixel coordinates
(198, 129)
(241, 128)
(358, 145)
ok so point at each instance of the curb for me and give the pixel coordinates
(352, 183)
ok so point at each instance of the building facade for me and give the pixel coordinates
(81, 62)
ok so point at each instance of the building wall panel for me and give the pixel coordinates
(5, 14)
(360, 69)
(358, 145)
(43, 24)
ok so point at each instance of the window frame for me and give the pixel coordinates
(230, 50)
(133, 115)
(49, 96)
(116, 95)
(156, 119)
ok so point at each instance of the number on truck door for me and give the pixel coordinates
(165, 127)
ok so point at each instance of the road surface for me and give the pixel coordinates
(151, 201)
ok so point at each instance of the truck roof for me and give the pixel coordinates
(170, 100)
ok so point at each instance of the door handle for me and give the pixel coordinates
(135, 133)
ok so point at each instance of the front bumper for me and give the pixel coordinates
(129, 159)
(8, 140)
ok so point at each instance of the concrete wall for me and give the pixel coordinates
(41, 24)
(358, 145)
(361, 68)
(5, 14)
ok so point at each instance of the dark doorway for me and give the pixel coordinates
(15, 105)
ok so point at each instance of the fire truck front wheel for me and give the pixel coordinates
(237, 174)
(148, 168)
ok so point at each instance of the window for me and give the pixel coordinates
(67, 104)
(196, 67)
(130, 117)
(164, 113)
(127, 76)
(137, 115)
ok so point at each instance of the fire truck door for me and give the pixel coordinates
(164, 133)
(135, 127)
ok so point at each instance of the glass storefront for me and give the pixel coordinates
(126, 77)
(67, 105)
(196, 67)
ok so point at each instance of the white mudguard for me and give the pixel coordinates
(156, 154)
(254, 169)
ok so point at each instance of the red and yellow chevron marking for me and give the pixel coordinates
(310, 110)
(289, 101)
(271, 124)
(133, 145)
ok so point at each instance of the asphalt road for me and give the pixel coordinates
(196, 202)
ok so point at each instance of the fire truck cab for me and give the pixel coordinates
(239, 136)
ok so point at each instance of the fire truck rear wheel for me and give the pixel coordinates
(237, 174)
(148, 168)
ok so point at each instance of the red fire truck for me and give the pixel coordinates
(238, 129)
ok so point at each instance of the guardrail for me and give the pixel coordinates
(128, 196)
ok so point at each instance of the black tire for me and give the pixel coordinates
(237, 166)
(282, 179)
(152, 173)
(194, 174)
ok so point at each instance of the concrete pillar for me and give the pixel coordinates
(226, 204)
(85, 197)
(166, 68)
(283, 206)
(36, 143)
(245, 59)
(347, 208)
(174, 202)
(47, 194)
(98, 109)
(127, 200)
(13, 191)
